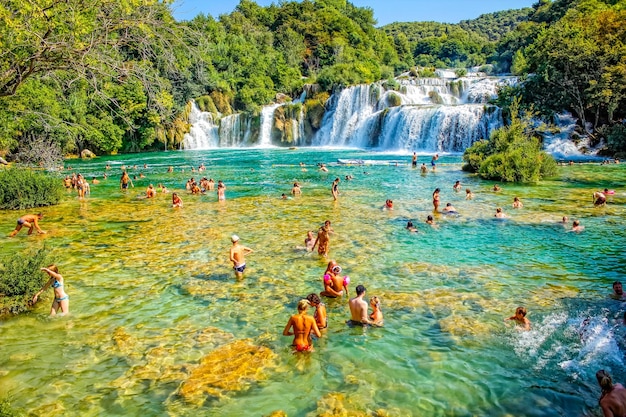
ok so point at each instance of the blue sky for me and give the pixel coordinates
(385, 11)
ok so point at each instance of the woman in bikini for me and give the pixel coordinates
(320, 311)
(436, 199)
(61, 299)
(302, 325)
(334, 285)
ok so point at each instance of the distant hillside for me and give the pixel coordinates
(493, 26)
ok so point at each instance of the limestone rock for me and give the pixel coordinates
(86, 154)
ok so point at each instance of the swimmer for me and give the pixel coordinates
(436, 199)
(283, 196)
(496, 188)
(564, 220)
(449, 209)
(150, 192)
(323, 239)
(376, 316)
(613, 398)
(302, 325)
(334, 285)
(500, 214)
(221, 191)
(125, 181)
(576, 227)
(320, 311)
(410, 227)
(423, 168)
(210, 185)
(176, 201)
(457, 186)
(28, 220)
(162, 188)
(296, 189)
(469, 194)
(618, 291)
(170, 169)
(388, 205)
(517, 203)
(95, 180)
(430, 220)
(433, 161)
(520, 318)
(61, 299)
(237, 256)
(358, 307)
(323, 168)
(309, 241)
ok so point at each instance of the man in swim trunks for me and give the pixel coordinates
(237, 256)
(414, 161)
(125, 180)
(302, 325)
(599, 199)
(434, 160)
(30, 221)
(613, 398)
(449, 209)
(358, 307)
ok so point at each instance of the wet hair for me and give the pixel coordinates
(576, 223)
(617, 283)
(521, 310)
(515, 198)
(605, 381)
(448, 205)
(303, 305)
(360, 289)
(467, 191)
(499, 210)
(53, 268)
(409, 224)
(436, 190)
(429, 218)
(313, 298)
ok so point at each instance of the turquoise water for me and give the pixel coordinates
(152, 292)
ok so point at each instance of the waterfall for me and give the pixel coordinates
(203, 133)
(267, 120)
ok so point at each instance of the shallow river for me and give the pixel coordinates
(160, 326)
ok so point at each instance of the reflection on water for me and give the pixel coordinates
(159, 324)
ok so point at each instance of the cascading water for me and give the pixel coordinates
(203, 133)
(267, 119)
(433, 115)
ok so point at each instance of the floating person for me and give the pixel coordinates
(457, 186)
(376, 316)
(335, 189)
(613, 398)
(576, 226)
(517, 203)
(388, 205)
(618, 291)
(238, 254)
(334, 285)
(177, 202)
(410, 227)
(500, 214)
(599, 199)
(28, 220)
(320, 316)
(520, 318)
(303, 325)
(358, 308)
(61, 299)
(309, 241)
(469, 194)
(323, 239)
(449, 209)
(436, 199)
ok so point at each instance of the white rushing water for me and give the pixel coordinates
(421, 114)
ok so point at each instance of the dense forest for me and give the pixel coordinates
(117, 75)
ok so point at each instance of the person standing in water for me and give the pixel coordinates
(61, 299)
(358, 308)
(238, 254)
(613, 398)
(433, 161)
(376, 316)
(335, 189)
(28, 220)
(334, 284)
(303, 325)
(176, 200)
(125, 181)
(436, 199)
(221, 191)
(323, 239)
(320, 311)
(414, 160)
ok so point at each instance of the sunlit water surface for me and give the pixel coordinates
(153, 293)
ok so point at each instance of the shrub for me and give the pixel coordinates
(20, 279)
(393, 100)
(615, 137)
(435, 98)
(511, 154)
(24, 188)
(427, 73)
(460, 72)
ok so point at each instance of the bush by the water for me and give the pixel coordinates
(511, 154)
(25, 188)
(20, 279)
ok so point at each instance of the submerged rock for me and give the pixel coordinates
(230, 368)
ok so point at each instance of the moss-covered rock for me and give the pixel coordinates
(222, 103)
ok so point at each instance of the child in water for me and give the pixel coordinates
(520, 318)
